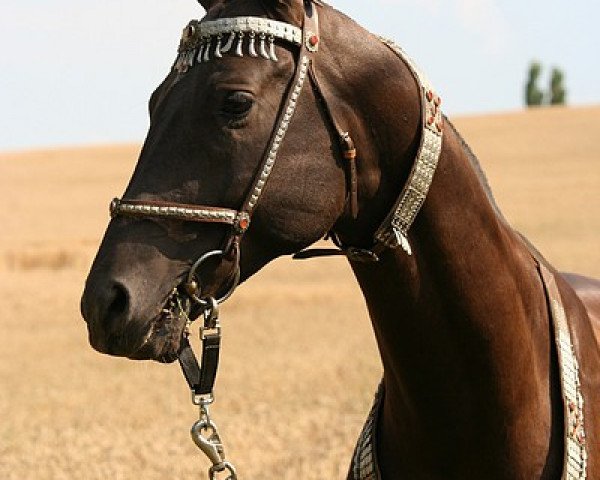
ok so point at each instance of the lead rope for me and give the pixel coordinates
(205, 432)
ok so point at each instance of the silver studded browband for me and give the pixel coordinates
(203, 39)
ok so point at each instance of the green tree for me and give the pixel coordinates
(558, 94)
(533, 95)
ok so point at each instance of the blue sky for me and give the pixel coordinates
(77, 72)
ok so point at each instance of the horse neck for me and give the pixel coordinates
(462, 332)
(461, 324)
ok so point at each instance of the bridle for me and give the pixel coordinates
(200, 40)
(195, 47)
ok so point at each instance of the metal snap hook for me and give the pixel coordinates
(226, 466)
(206, 437)
(194, 289)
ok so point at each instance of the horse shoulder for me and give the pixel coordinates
(588, 291)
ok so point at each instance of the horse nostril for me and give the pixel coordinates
(117, 307)
(106, 307)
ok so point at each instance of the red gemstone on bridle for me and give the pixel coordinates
(313, 40)
(244, 223)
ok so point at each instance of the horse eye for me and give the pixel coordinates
(237, 104)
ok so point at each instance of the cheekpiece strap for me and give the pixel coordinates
(308, 47)
(393, 232)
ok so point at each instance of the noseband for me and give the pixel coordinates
(203, 41)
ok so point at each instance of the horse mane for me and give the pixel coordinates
(477, 167)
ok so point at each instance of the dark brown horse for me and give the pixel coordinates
(471, 376)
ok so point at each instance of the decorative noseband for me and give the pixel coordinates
(188, 213)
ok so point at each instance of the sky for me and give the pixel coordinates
(74, 72)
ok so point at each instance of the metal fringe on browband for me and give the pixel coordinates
(202, 41)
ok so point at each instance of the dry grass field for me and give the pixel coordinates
(290, 402)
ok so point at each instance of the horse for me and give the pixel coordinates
(491, 362)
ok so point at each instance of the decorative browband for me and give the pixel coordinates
(189, 213)
(202, 40)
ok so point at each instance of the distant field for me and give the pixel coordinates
(289, 411)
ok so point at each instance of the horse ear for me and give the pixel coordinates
(291, 11)
(206, 4)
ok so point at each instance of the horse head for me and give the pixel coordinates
(238, 97)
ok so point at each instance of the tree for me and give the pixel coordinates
(533, 95)
(558, 93)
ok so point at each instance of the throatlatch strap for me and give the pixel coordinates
(346, 143)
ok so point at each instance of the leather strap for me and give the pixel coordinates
(201, 380)
(346, 143)
(173, 211)
(287, 111)
(189, 365)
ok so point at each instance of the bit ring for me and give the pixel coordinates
(193, 285)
